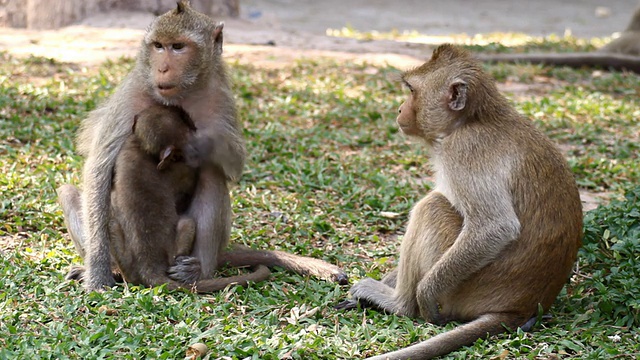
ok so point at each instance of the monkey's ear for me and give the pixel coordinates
(181, 6)
(457, 95)
(166, 156)
(217, 34)
(135, 122)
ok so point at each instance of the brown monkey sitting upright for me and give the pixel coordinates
(622, 53)
(499, 233)
(154, 180)
(180, 63)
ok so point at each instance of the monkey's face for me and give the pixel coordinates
(173, 66)
(407, 117)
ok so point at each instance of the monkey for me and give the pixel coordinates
(622, 53)
(155, 176)
(180, 64)
(498, 234)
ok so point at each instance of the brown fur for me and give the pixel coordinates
(499, 233)
(180, 64)
(622, 53)
(155, 177)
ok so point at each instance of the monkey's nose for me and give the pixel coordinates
(400, 110)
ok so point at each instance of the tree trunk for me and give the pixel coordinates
(53, 14)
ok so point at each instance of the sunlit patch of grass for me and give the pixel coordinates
(494, 42)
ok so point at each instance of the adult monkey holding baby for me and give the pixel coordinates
(179, 64)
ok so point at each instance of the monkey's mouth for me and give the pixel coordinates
(167, 89)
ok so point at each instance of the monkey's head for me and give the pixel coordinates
(180, 51)
(166, 132)
(442, 95)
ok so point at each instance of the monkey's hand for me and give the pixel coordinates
(191, 155)
(428, 305)
(186, 270)
(226, 153)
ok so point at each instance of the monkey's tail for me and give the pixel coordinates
(243, 256)
(603, 60)
(260, 273)
(463, 335)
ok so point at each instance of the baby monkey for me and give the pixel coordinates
(155, 177)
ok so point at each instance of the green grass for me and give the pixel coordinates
(325, 161)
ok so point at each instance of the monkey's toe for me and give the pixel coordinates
(185, 270)
(75, 273)
(341, 278)
(529, 325)
(345, 305)
(351, 304)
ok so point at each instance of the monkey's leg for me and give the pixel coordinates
(69, 197)
(211, 210)
(185, 269)
(391, 278)
(185, 233)
(441, 224)
(77, 272)
(433, 227)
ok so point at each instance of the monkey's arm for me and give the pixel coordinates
(211, 210)
(95, 209)
(101, 136)
(490, 225)
(221, 145)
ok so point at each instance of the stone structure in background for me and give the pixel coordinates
(52, 14)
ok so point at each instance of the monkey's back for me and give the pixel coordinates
(143, 203)
(532, 269)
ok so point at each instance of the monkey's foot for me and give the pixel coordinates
(186, 270)
(98, 286)
(340, 277)
(75, 273)
(351, 304)
(528, 326)
(95, 282)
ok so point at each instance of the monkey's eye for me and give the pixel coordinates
(178, 46)
(157, 45)
(406, 83)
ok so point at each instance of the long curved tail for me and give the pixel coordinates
(244, 256)
(590, 59)
(259, 273)
(463, 335)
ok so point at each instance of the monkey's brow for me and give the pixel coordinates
(406, 83)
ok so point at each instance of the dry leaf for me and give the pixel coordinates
(107, 310)
(196, 351)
